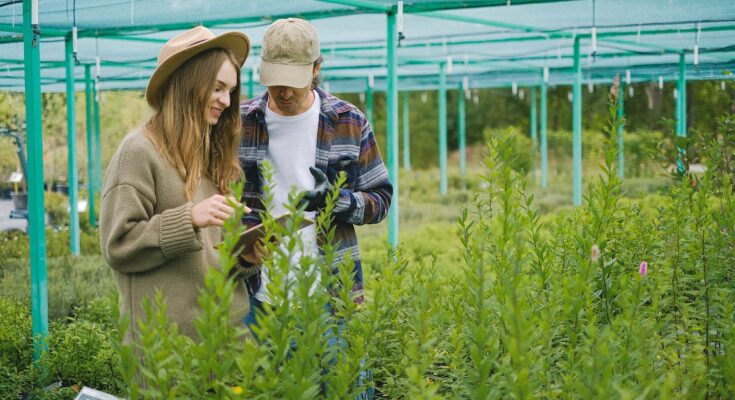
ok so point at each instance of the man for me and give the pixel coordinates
(309, 136)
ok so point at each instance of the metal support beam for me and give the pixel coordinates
(392, 127)
(34, 180)
(621, 114)
(368, 5)
(681, 109)
(544, 145)
(533, 121)
(681, 118)
(251, 84)
(577, 126)
(406, 133)
(442, 128)
(462, 130)
(96, 146)
(369, 101)
(90, 145)
(71, 140)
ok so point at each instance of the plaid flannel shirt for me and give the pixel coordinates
(345, 142)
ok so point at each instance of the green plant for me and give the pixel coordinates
(16, 347)
(57, 208)
(522, 158)
(79, 352)
(72, 282)
(528, 299)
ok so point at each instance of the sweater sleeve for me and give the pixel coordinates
(135, 240)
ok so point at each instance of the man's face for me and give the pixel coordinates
(286, 100)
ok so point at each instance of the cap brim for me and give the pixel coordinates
(296, 76)
(236, 42)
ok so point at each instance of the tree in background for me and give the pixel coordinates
(487, 109)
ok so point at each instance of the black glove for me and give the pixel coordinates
(317, 198)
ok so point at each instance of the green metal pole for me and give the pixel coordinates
(534, 134)
(462, 130)
(251, 84)
(442, 129)
(406, 133)
(71, 139)
(90, 148)
(681, 109)
(97, 147)
(621, 153)
(577, 126)
(682, 97)
(544, 145)
(392, 127)
(369, 101)
(34, 180)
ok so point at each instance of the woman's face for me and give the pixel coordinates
(219, 100)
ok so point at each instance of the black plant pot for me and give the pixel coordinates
(62, 188)
(20, 200)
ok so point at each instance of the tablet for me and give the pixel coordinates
(253, 234)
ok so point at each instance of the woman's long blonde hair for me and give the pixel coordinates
(179, 127)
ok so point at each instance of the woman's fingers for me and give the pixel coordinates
(225, 209)
(220, 215)
(215, 210)
(211, 211)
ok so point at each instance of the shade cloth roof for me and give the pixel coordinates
(484, 43)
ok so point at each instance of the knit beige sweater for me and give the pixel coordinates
(148, 238)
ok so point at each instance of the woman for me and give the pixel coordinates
(164, 197)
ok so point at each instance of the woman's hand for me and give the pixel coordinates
(214, 211)
(257, 255)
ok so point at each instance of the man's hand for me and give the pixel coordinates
(214, 210)
(317, 198)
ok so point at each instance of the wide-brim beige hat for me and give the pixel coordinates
(186, 45)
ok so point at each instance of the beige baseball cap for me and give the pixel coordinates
(290, 48)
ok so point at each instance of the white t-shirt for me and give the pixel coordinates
(291, 151)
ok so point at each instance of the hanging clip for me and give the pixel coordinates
(74, 39)
(594, 42)
(75, 44)
(696, 44)
(400, 22)
(97, 78)
(34, 23)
